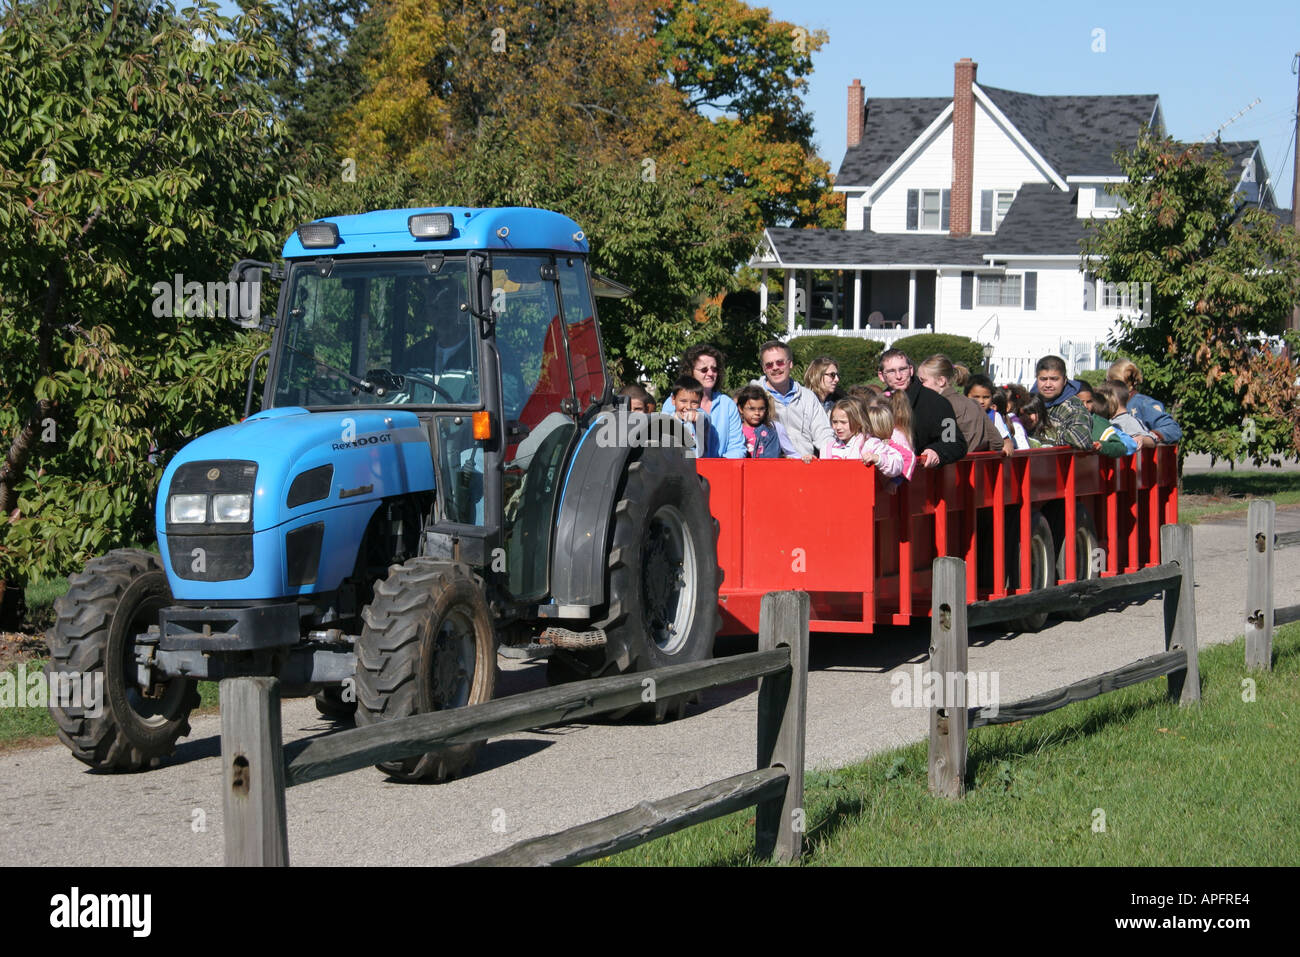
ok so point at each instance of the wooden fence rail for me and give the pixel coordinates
(951, 719)
(256, 772)
(1261, 615)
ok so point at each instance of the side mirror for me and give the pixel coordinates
(244, 294)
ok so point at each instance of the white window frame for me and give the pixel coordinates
(938, 210)
(997, 196)
(1109, 296)
(1000, 283)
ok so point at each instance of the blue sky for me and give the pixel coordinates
(1206, 61)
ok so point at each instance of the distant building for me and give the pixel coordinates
(964, 216)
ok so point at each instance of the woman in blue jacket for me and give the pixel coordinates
(706, 363)
(1149, 412)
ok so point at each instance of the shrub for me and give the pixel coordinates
(857, 358)
(1094, 377)
(957, 348)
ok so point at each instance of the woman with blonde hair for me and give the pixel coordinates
(1149, 413)
(936, 373)
(823, 378)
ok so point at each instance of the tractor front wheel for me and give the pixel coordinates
(114, 724)
(426, 645)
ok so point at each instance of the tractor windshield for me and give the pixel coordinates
(378, 332)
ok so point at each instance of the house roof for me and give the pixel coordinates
(1075, 134)
(1043, 220)
(890, 126)
(824, 248)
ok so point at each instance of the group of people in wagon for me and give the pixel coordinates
(923, 416)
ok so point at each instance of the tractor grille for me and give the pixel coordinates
(211, 558)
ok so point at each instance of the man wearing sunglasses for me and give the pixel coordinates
(935, 434)
(794, 407)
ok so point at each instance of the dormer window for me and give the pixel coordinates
(994, 206)
(928, 209)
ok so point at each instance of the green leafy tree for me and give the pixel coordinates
(137, 145)
(1223, 274)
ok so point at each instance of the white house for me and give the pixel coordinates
(964, 216)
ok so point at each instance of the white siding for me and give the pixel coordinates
(931, 168)
(854, 210)
(1000, 162)
(1059, 315)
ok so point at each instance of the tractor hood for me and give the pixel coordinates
(304, 462)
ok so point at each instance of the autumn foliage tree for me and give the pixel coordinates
(1223, 276)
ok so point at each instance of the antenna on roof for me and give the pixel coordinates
(1230, 120)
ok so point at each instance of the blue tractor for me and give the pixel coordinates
(440, 467)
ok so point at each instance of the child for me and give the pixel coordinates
(1070, 421)
(638, 399)
(1113, 398)
(900, 437)
(1107, 439)
(687, 394)
(863, 393)
(1149, 413)
(761, 438)
(853, 441)
(1037, 426)
(979, 389)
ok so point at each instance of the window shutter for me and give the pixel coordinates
(1089, 292)
(967, 290)
(1031, 290)
(986, 210)
(913, 204)
(945, 202)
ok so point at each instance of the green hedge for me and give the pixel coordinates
(920, 347)
(1094, 377)
(858, 359)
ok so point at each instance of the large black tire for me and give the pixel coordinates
(426, 644)
(1042, 569)
(115, 598)
(662, 578)
(330, 704)
(1085, 542)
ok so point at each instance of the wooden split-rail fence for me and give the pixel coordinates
(1261, 614)
(257, 772)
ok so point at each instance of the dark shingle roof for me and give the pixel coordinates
(1043, 220)
(845, 247)
(891, 124)
(1076, 134)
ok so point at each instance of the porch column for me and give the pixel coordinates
(762, 299)
(835, 298)
(857, 299)
(911, 299)
(790, 275)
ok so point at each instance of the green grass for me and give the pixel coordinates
(1236, 489)
(1211, 784)
(32, 726)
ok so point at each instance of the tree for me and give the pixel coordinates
(137, 150)
(1223, 275)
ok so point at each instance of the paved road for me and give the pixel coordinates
(1200, 463)
(54, 811)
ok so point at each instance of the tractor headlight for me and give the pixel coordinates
(232, 508)
(187, 509)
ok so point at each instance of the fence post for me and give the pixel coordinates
(253, 773)
(1180, 613)
(949, 720)
(782, 709)
(1259, 585)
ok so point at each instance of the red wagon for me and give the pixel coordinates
(863, 553)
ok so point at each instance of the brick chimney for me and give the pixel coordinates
(855, 113)
(963, 146)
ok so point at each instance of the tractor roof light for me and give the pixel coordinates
(430, 225)
(318, 235)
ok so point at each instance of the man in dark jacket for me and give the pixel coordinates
(935, 434)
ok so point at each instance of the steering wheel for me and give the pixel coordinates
(423, 379)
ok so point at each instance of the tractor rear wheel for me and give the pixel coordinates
(662, 579)
(117, 725)
(427, 644)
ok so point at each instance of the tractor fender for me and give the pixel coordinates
(582, 520)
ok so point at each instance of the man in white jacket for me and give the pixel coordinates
(796, 409)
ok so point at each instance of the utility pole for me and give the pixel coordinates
(1294, 322)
